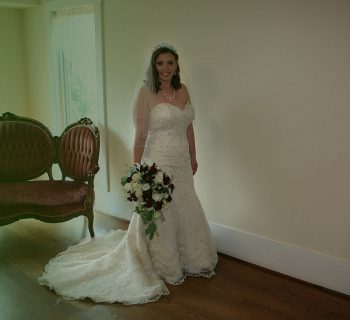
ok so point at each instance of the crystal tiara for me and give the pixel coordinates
(164, 45)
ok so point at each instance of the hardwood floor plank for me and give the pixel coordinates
(238, 291)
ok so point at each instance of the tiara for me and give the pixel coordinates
(164, 45)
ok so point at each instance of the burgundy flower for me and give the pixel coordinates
(132, 197)
(147, 177)
(147, 195)
(149, 203)
(159, 205)
(166, 179)
(153, 169)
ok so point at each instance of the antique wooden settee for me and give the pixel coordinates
(27, 153)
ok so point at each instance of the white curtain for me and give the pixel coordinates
(73, 42)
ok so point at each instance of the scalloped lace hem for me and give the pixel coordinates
(205, 274)
(127, 301)
(130, 300)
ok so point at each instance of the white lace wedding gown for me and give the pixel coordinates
(127, 267)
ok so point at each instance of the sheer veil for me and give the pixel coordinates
(141, 113)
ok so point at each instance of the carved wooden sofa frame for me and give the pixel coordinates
(28, 151)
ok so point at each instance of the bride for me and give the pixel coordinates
(126, 266)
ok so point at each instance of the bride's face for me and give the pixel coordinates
(166, 66)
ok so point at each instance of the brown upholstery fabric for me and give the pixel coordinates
(44, 213)
(77, 152)
(26, 151)
(42, 193)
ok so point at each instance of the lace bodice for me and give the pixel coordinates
(167, 143)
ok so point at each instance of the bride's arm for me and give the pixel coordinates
(139, 145)
(192, 148)
(141, 118)
(190, 136)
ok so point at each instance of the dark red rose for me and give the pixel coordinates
(147, 195)
(128, 179)
(149, 203)
(166, 179)
(169, 198)
(132, 197)
(159, 205)
(147, 177)
(153, 169)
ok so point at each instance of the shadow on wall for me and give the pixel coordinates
(120, 156)
(204, 92)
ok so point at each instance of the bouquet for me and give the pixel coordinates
(149, 189)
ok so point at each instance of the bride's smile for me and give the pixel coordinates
(166, 66)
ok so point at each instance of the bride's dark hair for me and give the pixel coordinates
(152, 81)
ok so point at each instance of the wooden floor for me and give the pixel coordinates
(239, 290)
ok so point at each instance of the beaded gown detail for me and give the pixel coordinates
(125, 266)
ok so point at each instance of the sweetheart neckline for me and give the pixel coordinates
(173, 105)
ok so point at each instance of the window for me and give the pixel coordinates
(74, 55)
(76, 69)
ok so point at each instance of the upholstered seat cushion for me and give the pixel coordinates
(42, 193)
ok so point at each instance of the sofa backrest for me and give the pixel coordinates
(27, 148)
(78, 150)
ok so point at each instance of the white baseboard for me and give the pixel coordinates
(304, 264)
(113, 204)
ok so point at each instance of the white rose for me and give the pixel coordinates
(127, 187)
(165, 196)
(136, 187)
(146, 186)
(156, 197)
(138, 193)
(158, 177)
(148, 162)
(136, 176)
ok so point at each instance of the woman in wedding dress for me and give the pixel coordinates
(126, 266)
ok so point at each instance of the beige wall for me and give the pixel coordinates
(270, 85)
(13, 71)
(36, 33)
(269, 80)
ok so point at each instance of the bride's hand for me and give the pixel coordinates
(194, 165)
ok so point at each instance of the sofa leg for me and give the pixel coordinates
(90, 217)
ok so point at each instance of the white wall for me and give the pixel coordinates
(269, 80)
(13, 71)
(36, 42)
(270, 85)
